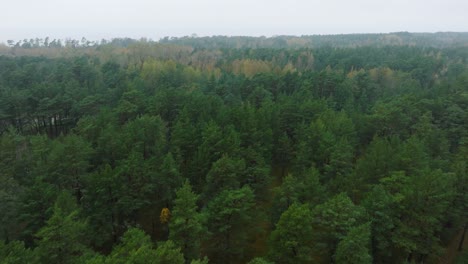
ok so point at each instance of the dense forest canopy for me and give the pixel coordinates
(312, 149)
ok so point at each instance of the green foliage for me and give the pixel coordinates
(15, 252)
(379, 160)
(130, 105)
(259, 261)
(69, 156)
(168, 179)
(215, 143)
(62, 240)
(460, 209)
(224, 175)
(327, 143)
(325, 133)
(200, 261)
(355, 246)
(228, 221)
(291, 241)
(135, 247)
(104, 202)
(305, 188)
(11, 176)
(145, 135)
(428, 197)
(37, 205)
(256, 173)
(186, 227)
(412, 209)
(462, 258)
(168, 253)
(332, 220)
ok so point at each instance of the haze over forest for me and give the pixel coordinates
(106, 19)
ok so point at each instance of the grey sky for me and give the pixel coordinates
(97, 19)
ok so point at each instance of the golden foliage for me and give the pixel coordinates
(165, 215)
(288, 68)
(250, 67)
(354, 72)
(384, 76)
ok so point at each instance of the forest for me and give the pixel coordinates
(312, 149)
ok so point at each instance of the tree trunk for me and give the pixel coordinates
(410, 256)
(421, 258)
(462, 240)
(51, 129)
(56, 125)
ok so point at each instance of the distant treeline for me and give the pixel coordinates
(438, 40)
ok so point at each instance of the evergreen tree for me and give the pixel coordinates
(186, 227)
(332, 220)
(229, 218)
(62, 240)
(15, 252)
(354, 247)
(168, 179)
(135, 247)
(224, 175)
(167, 253)
(291, 241)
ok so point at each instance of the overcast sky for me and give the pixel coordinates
(97, 19)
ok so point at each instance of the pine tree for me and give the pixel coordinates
(229, 219)
(354, 248)
(185, 227)
(291, 241)
(63, 239)
(167, 253)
